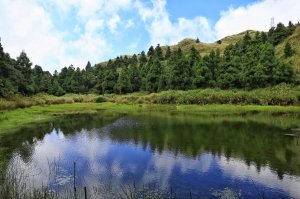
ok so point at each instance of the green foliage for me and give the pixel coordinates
(123, 84)
(153, 75)
(158, 52)
(101, 99)
(288, 51)
(151, 51)
(282, 94)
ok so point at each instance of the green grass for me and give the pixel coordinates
(13, 119)
(229, 108)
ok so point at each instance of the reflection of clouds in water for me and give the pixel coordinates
(45, 154)
(105, 159)
(92, 150)
(51, 154)
(161, 166)
(117, 170)
(95, 151)
(235, 168)
(201, 164)
(123, 122)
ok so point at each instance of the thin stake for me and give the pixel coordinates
(85, 194)
(75, 180)
(143, 191)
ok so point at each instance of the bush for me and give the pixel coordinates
(78, 99)
(101, 99)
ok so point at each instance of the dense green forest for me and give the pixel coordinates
(247, 64)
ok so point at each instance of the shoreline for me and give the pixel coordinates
(18, 118)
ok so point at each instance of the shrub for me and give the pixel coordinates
(101, 99)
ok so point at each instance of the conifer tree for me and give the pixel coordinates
(288, 51)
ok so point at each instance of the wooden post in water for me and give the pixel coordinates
(85, 194)
(74, 180)
(143, 191)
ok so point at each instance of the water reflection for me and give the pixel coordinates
(200, 154)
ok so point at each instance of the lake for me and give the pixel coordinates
(161, 154)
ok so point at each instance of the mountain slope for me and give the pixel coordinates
(206, 48)
(294, 40)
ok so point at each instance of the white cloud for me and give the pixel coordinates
(129, 23)
(91, 8)
(94, 25)
(113, 22)
(30, 25)
(163, 31)
(257, 16)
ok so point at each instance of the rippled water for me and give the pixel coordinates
(211, 156)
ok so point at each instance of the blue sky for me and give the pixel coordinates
(210, 9)
(57, 33)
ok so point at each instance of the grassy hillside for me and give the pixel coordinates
(203, 48)
(294, 40)
(206, 48)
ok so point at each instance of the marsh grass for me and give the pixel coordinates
(281, 95)
(18, 183)
(15, 102)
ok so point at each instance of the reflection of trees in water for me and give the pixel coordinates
(255, 141)
(250, 141)
(23, 141)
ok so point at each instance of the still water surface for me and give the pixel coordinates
(206, 156)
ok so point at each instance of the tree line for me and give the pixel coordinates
(248, 64)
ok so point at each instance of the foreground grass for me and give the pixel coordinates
(12, 119)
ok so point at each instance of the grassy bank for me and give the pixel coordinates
(281, 95)
(14, 102)
(11, 119)
(18, 111)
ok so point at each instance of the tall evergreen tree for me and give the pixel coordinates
(110, 78)
(288, 51)
(150, 51)
(23, 64)
(152, 78)
(123, 84)
(168, 53)
(158, 52)
(143, 58)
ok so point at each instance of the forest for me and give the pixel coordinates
(247, 64)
